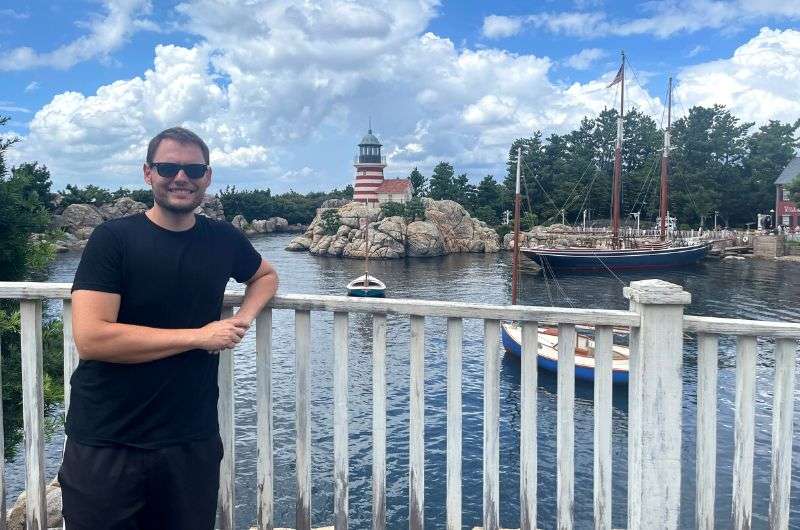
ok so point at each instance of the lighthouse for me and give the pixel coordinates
(369, 166)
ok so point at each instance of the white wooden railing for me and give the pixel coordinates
(657, 326)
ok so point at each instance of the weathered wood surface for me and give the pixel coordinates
(656, 421)
(379, 422)
(33, 412)
(264, 458)
(528, 425)
(603, 464)
(737, 326)
(491, 425)
(416, 431)
(455, 332)
(744, 433)
(70, 353)
(340, 431)
(302, 322)
(634, 435)
(3, 510)
(313, 302)
(706, 467)
(565, 431)
(782, 415)
(225, 412)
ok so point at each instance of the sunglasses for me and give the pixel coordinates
(170, 169)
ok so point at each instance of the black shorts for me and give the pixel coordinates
(125, 488)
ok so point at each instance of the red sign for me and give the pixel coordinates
(791, 209)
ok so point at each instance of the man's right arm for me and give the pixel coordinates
(98, 335)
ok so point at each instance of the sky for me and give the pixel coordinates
(282, 90)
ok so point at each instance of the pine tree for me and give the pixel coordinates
(418, 182)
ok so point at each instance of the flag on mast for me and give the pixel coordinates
(618, 78)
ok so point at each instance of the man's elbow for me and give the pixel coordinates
(89, 340)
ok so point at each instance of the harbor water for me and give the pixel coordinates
(753, 289)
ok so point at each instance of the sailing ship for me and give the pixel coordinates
(366, 285)
(547, 354)
(625, 254)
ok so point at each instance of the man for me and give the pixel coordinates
(143, 447)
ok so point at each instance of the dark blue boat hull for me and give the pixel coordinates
(628, 259)
(581, 372)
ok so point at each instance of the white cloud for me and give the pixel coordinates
(665, 18)
(697, 50)
(760, 82)
(105, 36)
(283, 96)
(585, 58)
(8, 106)
(495, 27)
(32, 86)
(14, 15)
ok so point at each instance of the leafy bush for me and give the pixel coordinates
(91, 194)
(527, 221)
(393, 209)
(502, 230)
(331, 221)
(414, 210)
(488, 215)
(261, 204)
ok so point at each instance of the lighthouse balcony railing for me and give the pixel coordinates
(656, 325)
(369, 159)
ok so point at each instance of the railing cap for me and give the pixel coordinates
(657, 292)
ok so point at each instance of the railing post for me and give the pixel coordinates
(655, 392)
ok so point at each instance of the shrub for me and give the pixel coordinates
(331, 221)
(414, 210)
(392, 209)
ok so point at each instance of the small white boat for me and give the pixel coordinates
(547, 356)
(366, 285)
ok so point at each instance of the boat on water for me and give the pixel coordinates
(598, 259)
(631, 254)
(366, 285)
(547, 354)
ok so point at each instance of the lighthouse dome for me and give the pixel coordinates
(369, 139)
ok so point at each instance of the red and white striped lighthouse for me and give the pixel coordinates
(369, 166)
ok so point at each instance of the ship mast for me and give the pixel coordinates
(515, 261)
(665, 168)
(615, 187)
(366, 252)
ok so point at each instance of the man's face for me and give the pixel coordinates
(178, 194)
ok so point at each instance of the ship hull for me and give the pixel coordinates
(590, 259)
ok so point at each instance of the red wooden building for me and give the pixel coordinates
(787, 212)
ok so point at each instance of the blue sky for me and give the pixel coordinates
(282, 91)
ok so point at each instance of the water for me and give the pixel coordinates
(742, 289)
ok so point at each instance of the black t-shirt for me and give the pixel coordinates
(168, 280)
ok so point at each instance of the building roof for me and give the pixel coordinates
(394, 186)
(790, 172)
(370, 139)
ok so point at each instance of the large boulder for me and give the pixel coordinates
(15, 519)
(240, 222)
(279, 223)
(122, 207)
(334, 203)
(80, 216)
(300, 243)
(424, 239)
(211, 207)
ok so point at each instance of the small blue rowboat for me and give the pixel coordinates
(366, 286)
(547, 357)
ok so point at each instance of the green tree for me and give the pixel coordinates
(418, 182)
(90, 194)
(769, 150)
(5, 143)
(34, 179)
(414, 210)
(441, 184)
(393, 209)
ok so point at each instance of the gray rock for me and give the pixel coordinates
(211, 207)
(281, 224)
(77, 216)
(122, 207)
(259, 226)
(300, 243)
(335, 203)
(15, 519)
(239, 222)
(424, 239)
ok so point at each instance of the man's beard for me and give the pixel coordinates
(163, 201)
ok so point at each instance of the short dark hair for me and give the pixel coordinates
(180, 135)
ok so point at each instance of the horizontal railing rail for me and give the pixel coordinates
(657, 325)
